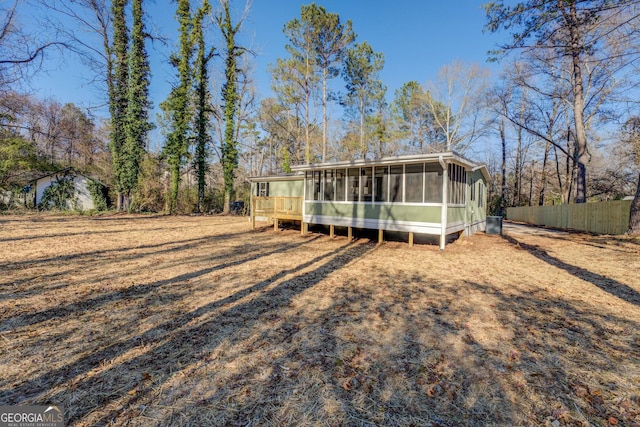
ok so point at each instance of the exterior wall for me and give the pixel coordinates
(42, 184)
(476, 210)
(281, 188)
(293, 188)
(83, 200)
(83, 196)
(456, 218)
(386, 216)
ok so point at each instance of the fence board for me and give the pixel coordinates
(610, 217)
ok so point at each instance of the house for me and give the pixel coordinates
(435, 194)
(79, 197)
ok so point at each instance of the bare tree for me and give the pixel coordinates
(20, 52)
(461, 89)
(86, 28)
(586, 44)
(631, 149)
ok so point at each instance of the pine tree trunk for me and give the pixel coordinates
(324, 115)
(543, 177)
(634, 213)
(307, 139)
(175, 186)
(503, 189)
(518, 172)
(227, 201)
(578, 108)
(362, 147)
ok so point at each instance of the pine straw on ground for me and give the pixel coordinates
(194, 321)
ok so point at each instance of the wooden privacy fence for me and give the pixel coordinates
(610, 217)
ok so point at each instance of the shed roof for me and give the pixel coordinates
(66, 171)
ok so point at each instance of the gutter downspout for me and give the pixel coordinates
(443, 215)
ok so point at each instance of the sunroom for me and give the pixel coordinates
(436, 194)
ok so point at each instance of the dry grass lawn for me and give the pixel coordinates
(196, 321)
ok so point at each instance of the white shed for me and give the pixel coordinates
(82, 199)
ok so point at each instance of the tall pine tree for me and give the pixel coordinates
(361, 70)
(302, 69)
(331, 41)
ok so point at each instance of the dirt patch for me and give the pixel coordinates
(182, 321)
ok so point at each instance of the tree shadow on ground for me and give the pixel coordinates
(138, 290)
(41, 237)
(378, 359)
(607, 284)
(171, 246)
(179, 342)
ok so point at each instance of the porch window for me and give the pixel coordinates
(433, 184)
(354, 184)
(457, 184)
(329, 190)
(313, 185)
(366, 185)
(341, 185)
(413, 181)
(262, 189)
(395, 183)
(381, 180)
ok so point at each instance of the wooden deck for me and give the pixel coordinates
(276, 208)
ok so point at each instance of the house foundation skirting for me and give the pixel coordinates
(475, 227)
(375, 224)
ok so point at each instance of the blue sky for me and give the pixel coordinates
(417, 37)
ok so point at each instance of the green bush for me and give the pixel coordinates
(59, 195)
(99, 194)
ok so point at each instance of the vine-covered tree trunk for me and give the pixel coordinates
(177, 105)
(203, 108)
(136, 124)
(118, 93)
(230, 99)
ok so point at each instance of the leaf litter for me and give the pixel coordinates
(180, 321)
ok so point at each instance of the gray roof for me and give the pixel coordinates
(448, 156)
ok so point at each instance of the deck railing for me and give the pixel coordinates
(276, 208)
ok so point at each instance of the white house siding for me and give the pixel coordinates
(80, 183)
(83, 196)
(41, 185)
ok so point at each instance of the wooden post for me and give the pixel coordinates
(349, 234)
(275, 224)
(303, 227)
(411, 239)
(380, 236)
(331, 231)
